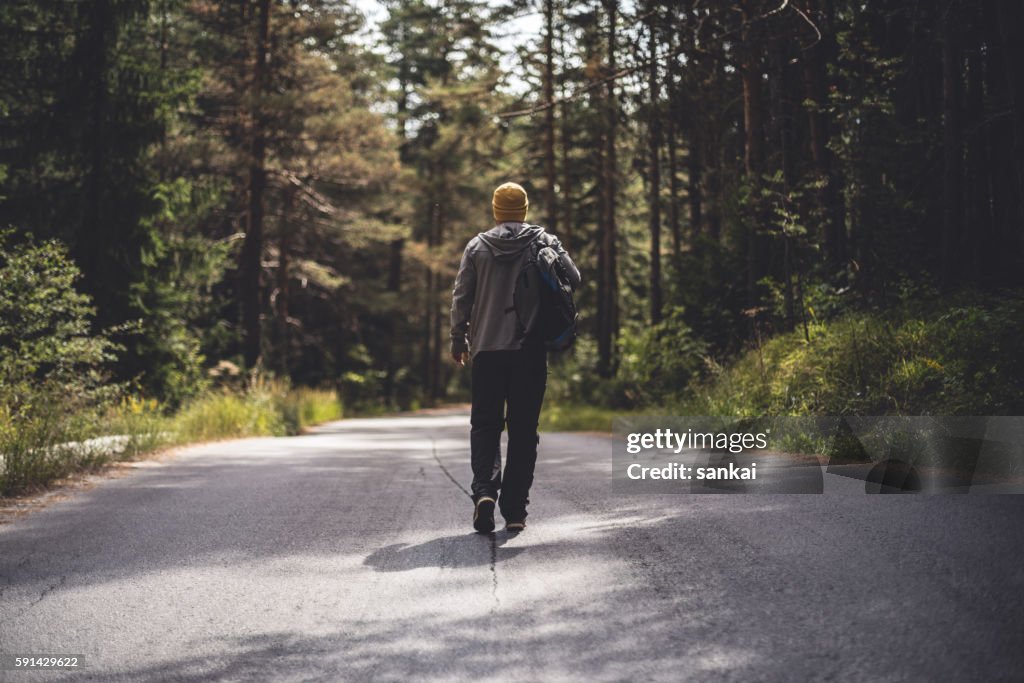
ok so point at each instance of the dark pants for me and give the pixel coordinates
(508, 387)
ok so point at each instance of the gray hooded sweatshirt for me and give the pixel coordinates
(482, 315)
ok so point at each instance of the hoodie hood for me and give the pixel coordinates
(507, 240)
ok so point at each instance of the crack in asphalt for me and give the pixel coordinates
(446, 472)
(46, 591)
(42, 596)
(17, 569)
(10, 577)
(494, 573)
(493, 539)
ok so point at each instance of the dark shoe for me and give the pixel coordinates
(483, 515)
(515, 527)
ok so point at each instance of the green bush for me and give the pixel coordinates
(656, 364)
(661, 360)
(52, 366)
(943, 357)
(45, 335)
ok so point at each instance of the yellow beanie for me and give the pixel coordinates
(510, 203)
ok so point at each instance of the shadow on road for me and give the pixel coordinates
(449, 552)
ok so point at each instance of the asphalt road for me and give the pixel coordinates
(348, 555)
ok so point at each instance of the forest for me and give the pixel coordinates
(244, 216)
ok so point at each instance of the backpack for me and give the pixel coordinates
(543, 301)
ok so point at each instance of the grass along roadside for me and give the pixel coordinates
(574, 417)
(946, 357)
(53, 445)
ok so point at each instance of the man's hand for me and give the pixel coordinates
(460, 357)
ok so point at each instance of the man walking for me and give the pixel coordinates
(509, 369)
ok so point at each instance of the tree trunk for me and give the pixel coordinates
(694, 191)
(95, 236)
(750, 73)
(654, 161)
(781, 133)
(1002, 174)
(394, 285)
(977, 218)
(436, 369)
(753, 127)
(607, 313)
(673, 189)
(284, 242)
(1011, 14)
(567, 217)
(830, 203)
(429, 304)
(672, 138)
(427, 355)
(952, 147)
(694, 145)
(550, 206)
(252, 250)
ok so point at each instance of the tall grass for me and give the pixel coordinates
(56, 443)
(51, 445)
(225, 415)
(575, 417)
(304, 407)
